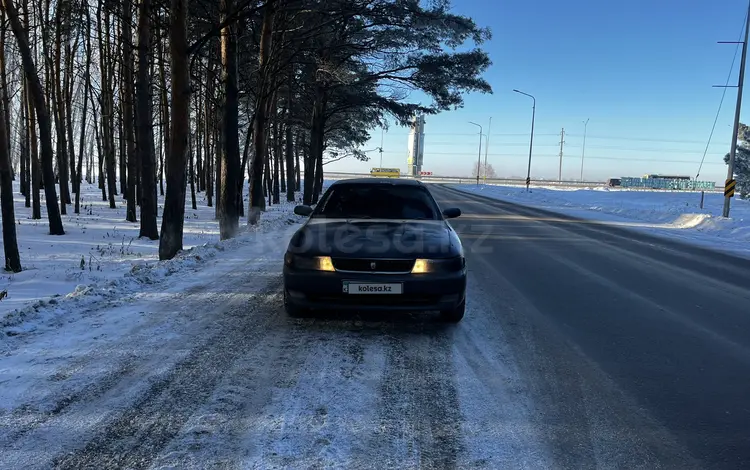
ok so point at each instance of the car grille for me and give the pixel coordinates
(366, 265)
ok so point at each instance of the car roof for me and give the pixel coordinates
(379, 181)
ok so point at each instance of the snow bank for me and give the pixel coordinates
(676, 214)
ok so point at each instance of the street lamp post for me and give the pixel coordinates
(583, 152)
(479, 159)
(486, 150)
(531, 141)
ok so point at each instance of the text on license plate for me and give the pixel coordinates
(372, 288)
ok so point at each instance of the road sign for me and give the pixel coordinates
(729, 188)
(425, 173)
(528, 181)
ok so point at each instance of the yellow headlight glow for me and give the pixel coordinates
(325, 263)
(421, 266)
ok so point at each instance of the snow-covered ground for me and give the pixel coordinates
(99, 249)
(128, 309)
(675, 214)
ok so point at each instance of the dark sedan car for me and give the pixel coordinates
(376, 244)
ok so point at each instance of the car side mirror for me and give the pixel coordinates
(452, 213)
(303, 210)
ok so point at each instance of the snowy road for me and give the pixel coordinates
(583, 347)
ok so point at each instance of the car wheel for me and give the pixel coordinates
(292, 310)
(454, 315)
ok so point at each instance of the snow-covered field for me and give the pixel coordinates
(675, 214)
(101, 251)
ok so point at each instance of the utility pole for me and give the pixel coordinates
(583, 152)
(562, 141)
(735, 130)
(486, 149)
(479, 158)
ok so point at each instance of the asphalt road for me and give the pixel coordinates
(636, 349)
(584, 346)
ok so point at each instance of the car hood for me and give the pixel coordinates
(376, 238)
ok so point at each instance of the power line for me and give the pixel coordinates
(595, 157)
(599, 147)
(723, 94)
(602, 137)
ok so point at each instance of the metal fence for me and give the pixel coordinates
(682, 185)
(468, 180)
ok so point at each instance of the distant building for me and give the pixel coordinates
(671, 182)
(415, 158)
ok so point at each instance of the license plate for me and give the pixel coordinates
(372, 288)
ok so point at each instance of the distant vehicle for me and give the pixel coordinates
(614, 182)
(386, 172)
(373, 245)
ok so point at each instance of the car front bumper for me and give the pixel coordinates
(321, 290)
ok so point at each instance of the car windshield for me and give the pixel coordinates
(378, 201)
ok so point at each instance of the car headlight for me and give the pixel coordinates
(424, 266)
(310, 263)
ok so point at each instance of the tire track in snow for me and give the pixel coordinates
(214, 437)
(419, 422)
(102, 382)
(324, 418)
(136, 437)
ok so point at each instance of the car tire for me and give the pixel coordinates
(292, 310)
(454, 315)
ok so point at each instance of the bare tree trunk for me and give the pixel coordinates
(146, 157)
(290, 184)
(317, 129)
(297, 148)
(4, 96)
(107, 109)
(128, 120)
(24, 138)
(7, 208)
(257, 201)
(282, 158)
(118, 124)
(217, 147)
(230, 155)
(268, 181)
(33, 168)
(276, 158)
(161, 151)
(100, 153)
(318, 179)
(199, 138)
(207, 134)
(58, 109)
(174, 203)
(244, 166)
(191, 174)
(75, 176)
(86, 86)
(37, 92)
(36, 168)
(167, 133)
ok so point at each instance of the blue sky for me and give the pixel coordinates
(641, 71)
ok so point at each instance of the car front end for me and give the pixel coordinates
(345, 283)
